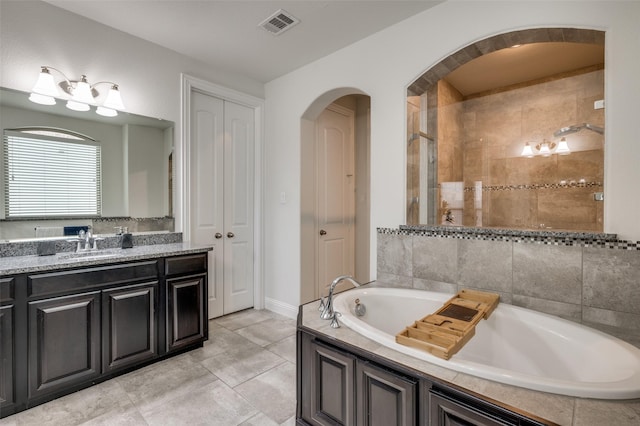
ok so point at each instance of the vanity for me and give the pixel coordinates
(67, 323)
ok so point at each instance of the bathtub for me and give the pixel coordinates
(515, 346)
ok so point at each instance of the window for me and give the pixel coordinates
(50, 173)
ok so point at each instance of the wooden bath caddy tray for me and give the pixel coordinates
(447, 330)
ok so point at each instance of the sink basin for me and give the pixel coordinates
(88, 255)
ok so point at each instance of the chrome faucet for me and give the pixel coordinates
(327, 311)
(86, 241)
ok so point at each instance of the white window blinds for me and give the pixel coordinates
(50, 176)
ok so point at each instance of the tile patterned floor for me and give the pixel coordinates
(243, 375)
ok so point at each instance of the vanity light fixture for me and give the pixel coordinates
(82, 93)
(546, 148)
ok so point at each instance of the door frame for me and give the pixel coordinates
(189, 84)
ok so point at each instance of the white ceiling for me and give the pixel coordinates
(226, 35)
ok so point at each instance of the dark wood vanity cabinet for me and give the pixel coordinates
(384, 397)
(186, 286)
(7, 343)
(129, 325)
(339, 388)
(64, 342)
(64, 330)
(342, 385)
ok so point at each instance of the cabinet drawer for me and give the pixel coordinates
(79, 279)
(186, 264)
(7, 289)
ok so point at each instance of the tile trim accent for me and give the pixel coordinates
(557, 238)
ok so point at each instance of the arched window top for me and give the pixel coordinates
(55, 132)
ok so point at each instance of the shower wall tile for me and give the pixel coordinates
(612, 279)
(435, 259)
(485, 265)
(568, 311)
(395, 254)
(611, 318)
(421, 284)
(504, 297)
(548, 272)
(392, 280)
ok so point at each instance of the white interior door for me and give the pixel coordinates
(207, 188)
(335, 209)
(222, 157)
(238, 207)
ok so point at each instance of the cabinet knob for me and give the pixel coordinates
(218, 235)
(323, 232)
(230, 235)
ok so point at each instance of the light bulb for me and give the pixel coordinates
(114, 100)
(42, 99)
(77, 106)
(45, 84)
(563, 147)
(544, 150)
(82, 92)
(106, 112)
(527, 151)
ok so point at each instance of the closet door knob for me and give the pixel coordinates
(230, 235)
(323, 232)
(218, 235)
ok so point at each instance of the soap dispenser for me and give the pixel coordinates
(127, 238)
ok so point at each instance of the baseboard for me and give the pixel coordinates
(281, 308)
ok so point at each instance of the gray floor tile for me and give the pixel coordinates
(213, 404)
(273, 392)
(237, 366)
(259, 420)
(76, 408)
(286, 348)
(131, 417)
(159, 383)
(220, 340)
(244, 318)
(253, 351)
(267, 332)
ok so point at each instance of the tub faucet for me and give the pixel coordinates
(327, 312)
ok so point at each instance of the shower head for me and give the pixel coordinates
(576, 128)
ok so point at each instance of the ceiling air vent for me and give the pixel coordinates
(279, 22)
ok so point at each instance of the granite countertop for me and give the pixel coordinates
(560, 409)
(27, 264)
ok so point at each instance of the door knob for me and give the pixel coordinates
(218, 235)
(323, 232)
(230, 235)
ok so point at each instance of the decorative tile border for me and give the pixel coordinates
(557, 238)
(534, 186)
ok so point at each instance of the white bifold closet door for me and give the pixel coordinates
(222, 176)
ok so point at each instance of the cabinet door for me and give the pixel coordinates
(7, 367)
(447, 412)
(128, 325)
(384, 398)
(332, 387)
(64, 342)
(185, 311)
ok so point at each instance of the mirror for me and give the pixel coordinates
(511, 139)
(137, 169)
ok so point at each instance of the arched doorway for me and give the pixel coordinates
(344, 102)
